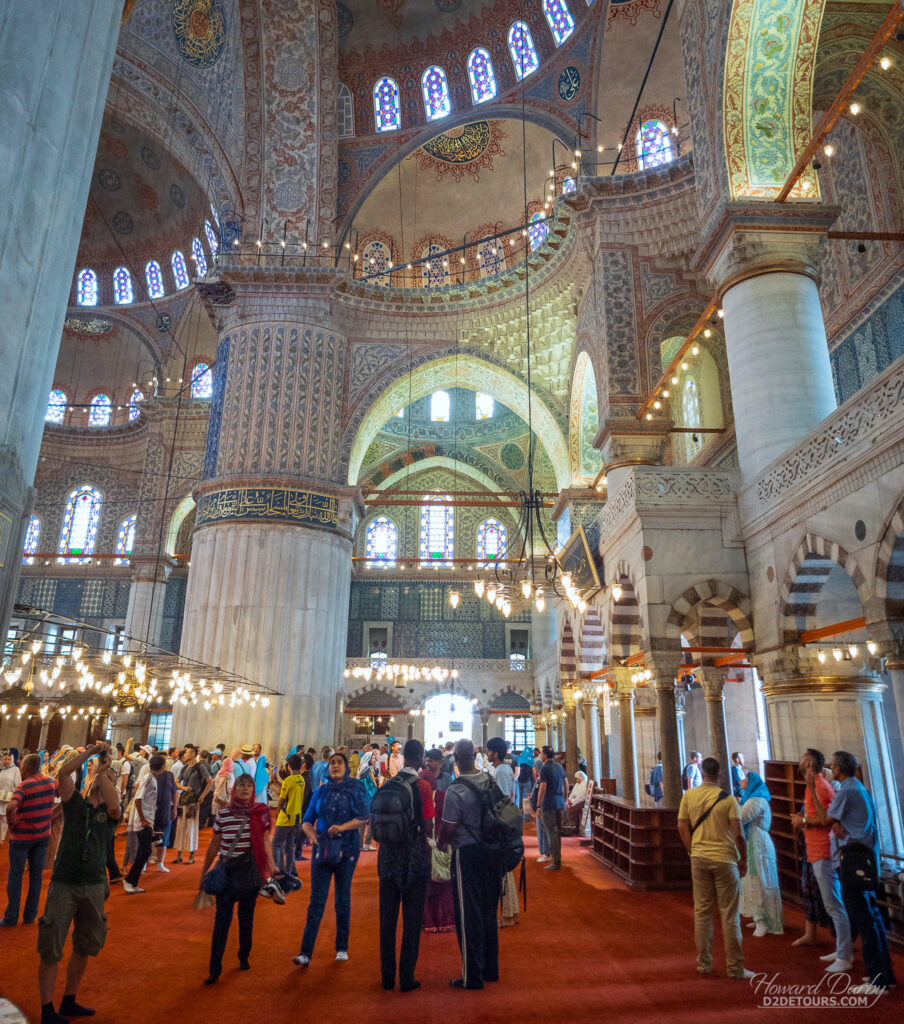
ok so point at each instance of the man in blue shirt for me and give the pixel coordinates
(852, 815)
(551, 804)
(738, 774)
(320, 771)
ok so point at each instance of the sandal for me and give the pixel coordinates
(178, 860)
(191, 858)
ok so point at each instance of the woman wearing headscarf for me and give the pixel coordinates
(760, 895)
(241, 837)
(525, 779)
(222, 786)
(439, 903)
(574, 805)
(336, 811)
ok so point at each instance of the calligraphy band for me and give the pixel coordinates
(267, 504)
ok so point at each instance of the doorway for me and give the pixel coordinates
(447, 716)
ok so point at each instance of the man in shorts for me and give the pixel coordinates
(78, 885)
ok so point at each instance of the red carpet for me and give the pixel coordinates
(587, 949)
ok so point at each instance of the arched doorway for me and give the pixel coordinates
(447, 716)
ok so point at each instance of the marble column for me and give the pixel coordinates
(605, 756)
(269, 582)
(594, 751)
(55, 66)
(714, 697)
(484, 727)
(625, 696)
(570, 723)
(764, 266)
(668, 742)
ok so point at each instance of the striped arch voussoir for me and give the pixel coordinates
(730, 599)
(892, 531)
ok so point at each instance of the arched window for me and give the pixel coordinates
(136, 399)
(538, 230)
(490, 543)
(560, 20)
(87, 288)
(100, 411)
(122, 286)
(490, 256)
(154, 280)
(32, 535)
(382, 541)
(202, 381)
(56, 407)
(440, 407)
(213, 213)
(197, 252)
(691, 415)
(437, 530)
(180, 272)
(568, 185)
(484, 406)
(436, 267)
(212, 240)
(79, 533)
(522, 49)
(437, 101)
(125, 540)
(481, 75)
(345, 113)
(654, 145)
(377, 258)
(387, 111)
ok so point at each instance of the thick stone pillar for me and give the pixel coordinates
(714, 697)
(625, 696)
(594, 749)
(762, 259)
(569, 715)
(628, 443)
(268, 587)
(144, 617)
(55, 65)
(669, 745)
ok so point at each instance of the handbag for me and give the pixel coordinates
(857, 867)
(6, 795)
(216, 881)
(440, 863)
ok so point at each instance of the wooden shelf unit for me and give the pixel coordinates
(640, 845)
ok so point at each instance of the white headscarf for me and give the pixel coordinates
(581, 785)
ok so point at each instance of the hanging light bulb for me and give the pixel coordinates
(822, 657)
(491, 593)
(500, 601)
(541, 601)
(853, 649)
(526, 588)
(506, 608)
(454, 598)
(872, 646)
(836, 653)
(478, 587)
(616, 591)
(582, 606)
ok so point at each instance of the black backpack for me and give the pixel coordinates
(525, 773)
(857, 867)
(500, 824)
(396, 815)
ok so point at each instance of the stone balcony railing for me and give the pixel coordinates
(463, 666)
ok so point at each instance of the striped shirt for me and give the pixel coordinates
(33, 801)
(226, 825)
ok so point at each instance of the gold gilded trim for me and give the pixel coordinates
(814, 685)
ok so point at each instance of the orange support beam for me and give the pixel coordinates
(635, 659)
(810, 635)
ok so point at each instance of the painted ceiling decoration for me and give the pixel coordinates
(631, 10)
(88, 324)
(468, 148)
(769, 69)
(200, 30)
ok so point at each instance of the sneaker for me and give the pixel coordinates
(271, 891)
(131, 888)
(829, 957)
(301, 960)
(342, 955)
(839, 967)
(543, 858)
(163, 869)
(745, 975)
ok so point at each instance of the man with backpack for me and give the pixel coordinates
(483, 827)
(401, 821)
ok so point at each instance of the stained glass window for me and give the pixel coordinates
(154, 279)
(490, 543)
(437, 101)
(484, 406)
(481, 75)
(377, 258)
(538, 230)
(198, 253)
(122, 286)
(125, 540)
(345, 113)
(436, 267)
(100, 411)
(213, 213)
(134, 402)
(490, 256)
(56, 407)
(437, 530)
(79, 533)
(382, 542)
(211, 236)
(387, 111)
(202, 381)
(440, 407)
(522, 49)
(32, 535)
(180, 272)
(87, 288)
(568, 185)
(654, 145)
(560, 20)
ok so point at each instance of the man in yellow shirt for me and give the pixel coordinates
(709, 823)
(288, 818)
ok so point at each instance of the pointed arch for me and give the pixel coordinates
(716, 592)
(583, 421)
(522, 49)
(481, 75)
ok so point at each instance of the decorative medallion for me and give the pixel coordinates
(117, 147)
(631, 10)
(288, 195)
(164, 322)
(344, 172)
(345, 20)
(123, 222)
(200, 30)
(147, 197)
(289, 73)
(469, 147)
(88, 324)
(177, 196)
(511, 456)
(569, 83)
(447, 6)
(109, 180)
(150, 157)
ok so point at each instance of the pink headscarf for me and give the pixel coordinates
(226, 768)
